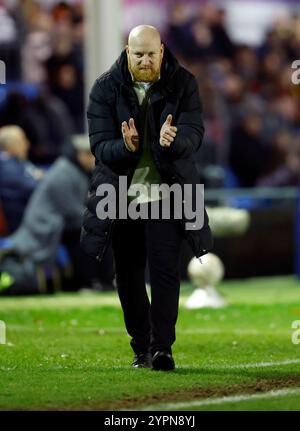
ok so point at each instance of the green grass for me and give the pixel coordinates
(71, 351)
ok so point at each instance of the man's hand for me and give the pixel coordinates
(167, 132)
(130, 135)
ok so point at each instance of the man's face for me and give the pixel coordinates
(144, 59)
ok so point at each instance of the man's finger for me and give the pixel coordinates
(169, 120)
(165, 142)
(131, 123)
(170, 133)
(125, 128)
(169, 138)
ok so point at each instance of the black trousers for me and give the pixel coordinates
(151, 326)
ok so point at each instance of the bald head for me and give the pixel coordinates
(13, 141)
(142, 34)
(144, 53)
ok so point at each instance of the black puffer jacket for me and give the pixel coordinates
(112, 101)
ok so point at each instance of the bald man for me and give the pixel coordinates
(14, 142)
(145, 123)
(18, 176)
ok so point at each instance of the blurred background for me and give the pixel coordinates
(241, 54)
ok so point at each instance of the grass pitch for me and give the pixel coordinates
(71, 352)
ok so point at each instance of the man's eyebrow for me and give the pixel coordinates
(141, 53)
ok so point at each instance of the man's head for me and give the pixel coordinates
(144, 53)
(14, 142)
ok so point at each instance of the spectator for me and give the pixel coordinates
(67, 86)
(10, 42)
(55, 208)
(65, 65)
(18, 176)
(45, 120)
(248, 151)
(283, 162)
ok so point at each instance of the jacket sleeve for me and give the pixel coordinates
(70, 208)
(190, 127)
(106, 141)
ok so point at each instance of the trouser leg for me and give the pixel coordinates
(129, 248)
(163, 240)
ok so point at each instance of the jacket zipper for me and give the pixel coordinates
(99, 257)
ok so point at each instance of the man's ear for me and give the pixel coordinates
(162, 49)
(127, 49)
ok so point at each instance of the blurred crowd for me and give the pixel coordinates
(45, 160)
(42, 46)
(251, 107)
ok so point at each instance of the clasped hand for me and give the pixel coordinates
(131, 136)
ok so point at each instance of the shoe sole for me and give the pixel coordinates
(163, 363)
(141, 366)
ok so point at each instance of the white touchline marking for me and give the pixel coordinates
(247, 365)
(221, 400)
(264, 364)
(229, 331)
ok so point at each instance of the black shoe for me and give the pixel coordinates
(163, 360)
(142, 360)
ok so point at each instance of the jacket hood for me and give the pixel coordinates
(119, 70)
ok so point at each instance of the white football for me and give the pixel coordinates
(208, 273)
